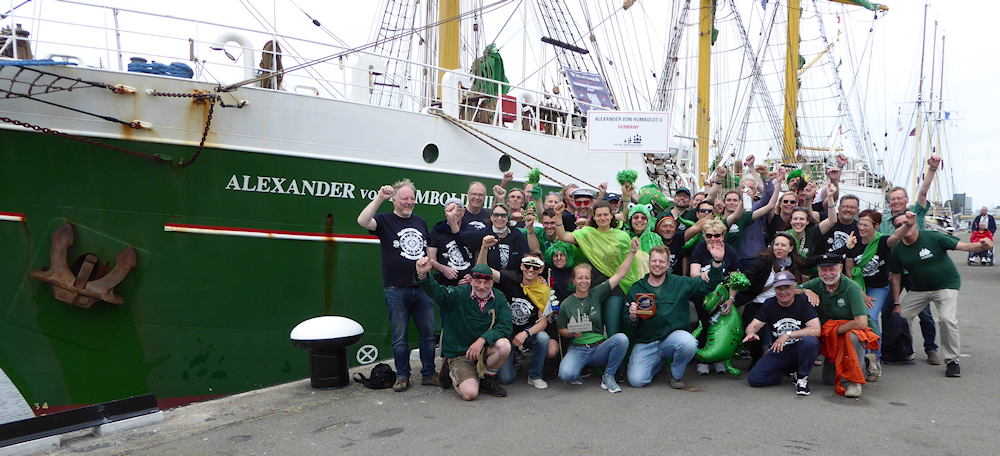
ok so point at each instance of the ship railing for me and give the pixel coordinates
(356, 76)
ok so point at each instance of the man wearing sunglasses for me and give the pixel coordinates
(527, 295)
(475, 334)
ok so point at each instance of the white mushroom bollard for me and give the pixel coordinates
(327, 339)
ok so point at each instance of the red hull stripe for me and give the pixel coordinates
(276, 234)
(11, 216)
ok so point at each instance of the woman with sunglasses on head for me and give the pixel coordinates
(714, 230)
(779, 256)
(606, 248)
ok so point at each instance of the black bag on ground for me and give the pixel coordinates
(897, 342)
(381, 377)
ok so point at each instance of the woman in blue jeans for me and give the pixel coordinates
(581, 319)
(868, 263)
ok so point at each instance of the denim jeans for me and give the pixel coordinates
(402, 304)
(648, 359)
(880, 295)
(771, 367)
(539, 345)
(610, 354)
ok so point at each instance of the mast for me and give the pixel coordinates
(791, 81)
(705, 29)
(931, 130)
(940, 112)
(920, 114)
(448, 33)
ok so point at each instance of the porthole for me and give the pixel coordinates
(504, 163)
(430, 153)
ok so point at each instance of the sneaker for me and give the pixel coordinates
(608, 382)
(538, 383)
(933, 359)
(444, 375)
(702, 369)
(586, 371)
(489, 385)
(795, 377)
(720, 368)
(908, 360)
(953, 370)
(676, 383)
(577, 381)
(430, 381)
(874, 370)
(802, 385)
(853, 390)
(402, 384)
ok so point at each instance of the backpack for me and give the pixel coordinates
(381, 377)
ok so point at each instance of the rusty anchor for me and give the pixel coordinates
(79, 290)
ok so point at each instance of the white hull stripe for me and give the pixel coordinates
(271, 234)
(11, 217)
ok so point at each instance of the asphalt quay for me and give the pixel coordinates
(912, 409)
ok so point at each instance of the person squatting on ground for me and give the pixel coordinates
(665, 335)
(585, 307)
(474, 340)
(794, 328)
(846, 330)
(527, 295)
(606, 247)
(403, 240)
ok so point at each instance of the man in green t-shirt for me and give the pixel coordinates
(935, 279)
(840, 298)
(899, 203)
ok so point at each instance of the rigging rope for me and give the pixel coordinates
(234, 86)
(475, 132)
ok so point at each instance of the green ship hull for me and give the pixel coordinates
(203, 314)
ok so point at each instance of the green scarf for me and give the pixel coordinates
(870, 250)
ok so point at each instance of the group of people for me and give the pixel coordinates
(586, 281)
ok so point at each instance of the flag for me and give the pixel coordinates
(947, 115)
(899, 121)
(913, 132)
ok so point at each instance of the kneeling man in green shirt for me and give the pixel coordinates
(475, 338)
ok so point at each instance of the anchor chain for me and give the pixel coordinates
(152, 158)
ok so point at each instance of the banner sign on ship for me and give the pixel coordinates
(590, 89)
(618, 131)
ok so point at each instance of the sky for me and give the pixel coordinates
(971, 67)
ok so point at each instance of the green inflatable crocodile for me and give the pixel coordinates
(725, 334)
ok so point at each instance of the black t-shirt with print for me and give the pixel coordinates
(403, 242)
(780, 320)
(451, 252)
(876, 271)
(836, 238)
(523, 312)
